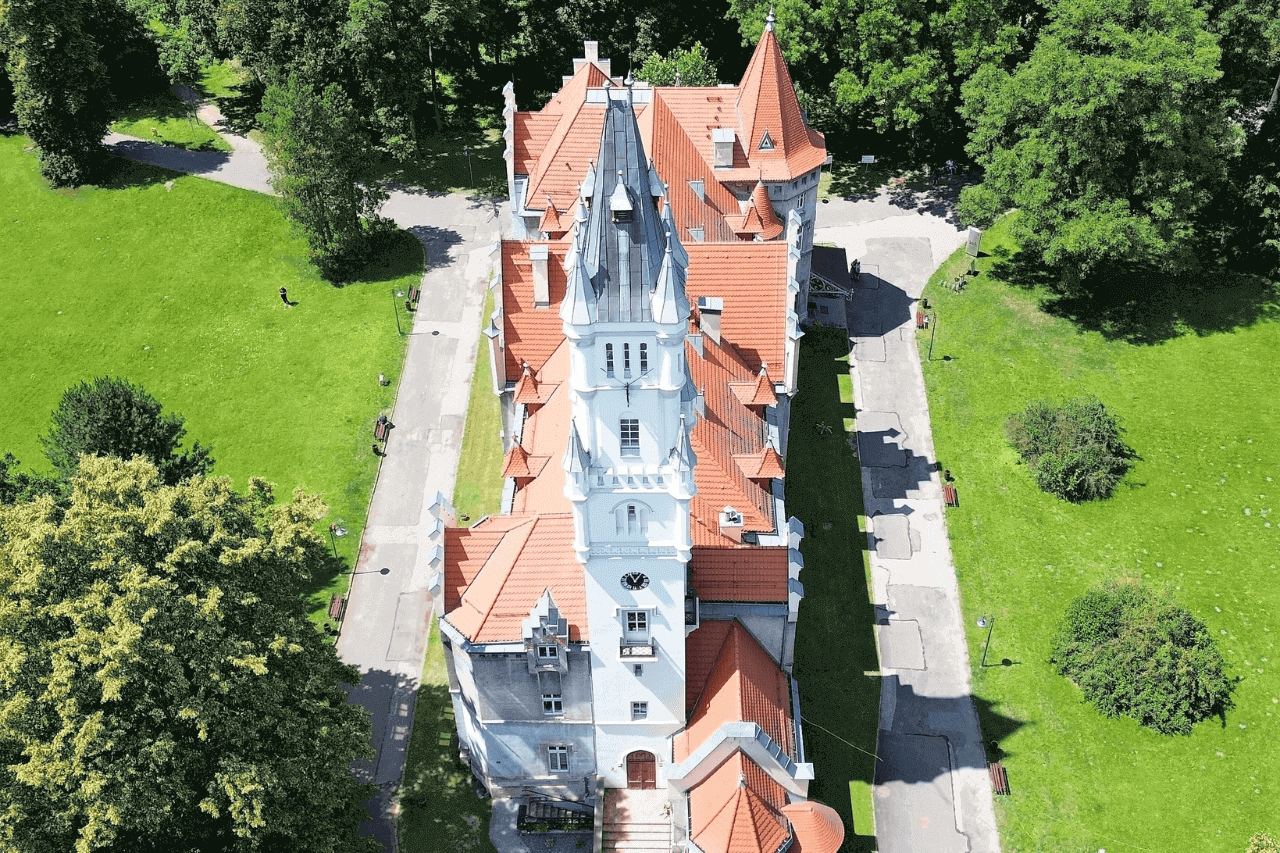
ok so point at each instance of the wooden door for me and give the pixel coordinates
(642, 771)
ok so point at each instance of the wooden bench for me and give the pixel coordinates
(949, 495)
(922, 320)
(381, 429)
(337, 606)
(999, 779)
(414, 294)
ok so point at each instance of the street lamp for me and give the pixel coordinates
(335, 530)
(396, 296)
(988, 622)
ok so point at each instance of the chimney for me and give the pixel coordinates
(731, 523)
(722, 138)
(709, 310)
(591, 50)
(541, 289)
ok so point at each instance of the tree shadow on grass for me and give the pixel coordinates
(118, 173)
(1145, 306)
(395, 255)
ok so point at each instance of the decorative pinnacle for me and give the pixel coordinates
(629, 81)
(768, 21)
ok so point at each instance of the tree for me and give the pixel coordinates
(318, 156)
(161, 688)
(1263, 842)
(60, 85)
(1074, 449)
(113, 417)
(185, 33)
(1260, 168)
(692, 65)
(21, 486)
(1136, 653)
(1109, 139)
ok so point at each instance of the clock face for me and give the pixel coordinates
(635, 580)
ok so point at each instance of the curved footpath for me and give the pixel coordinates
(931, 787)
(384, 632)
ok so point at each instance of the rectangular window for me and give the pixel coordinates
(552, 703)
(638, 669)
(639, 710)
(630, 437)
(608, 359)
(637, 624)
(558, 759)
(644, 359)
(548, 652)
(626, 360)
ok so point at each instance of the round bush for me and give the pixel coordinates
(1136, 653)
(1074, 449)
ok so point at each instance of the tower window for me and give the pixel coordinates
(644, 359)
(632, 519)
(629, 437)
(558, 759)
(637, 624)
(626, 360)
(552, 703)
(639, 710)
(608, 359)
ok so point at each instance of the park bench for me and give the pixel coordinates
(415, 293)
(999, 779)
(922, 320)
(381, 428)
(337, 605)
(949, 495)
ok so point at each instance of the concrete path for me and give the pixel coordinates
(384, 632)
(931, 788)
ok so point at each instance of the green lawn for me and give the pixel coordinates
(836, 660)
(478, 486)
(1195, 512)
(177, 289)
(164, 117)
(439, 812)
(443, 166)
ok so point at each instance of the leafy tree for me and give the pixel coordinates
(387, 45)
(21, 486)
(184, 31)
(161, 688)
(318, 155)
(60, 85)
(1263, 842)
(1109, 139)
(692, 65)
(113, 417)
(1074, 450)
(1136, 653)
(1260, 168)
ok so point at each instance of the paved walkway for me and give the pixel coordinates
(931, 788)
(385, 629)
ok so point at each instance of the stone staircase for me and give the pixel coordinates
(636, 821)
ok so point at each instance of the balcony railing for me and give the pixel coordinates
(638, 649)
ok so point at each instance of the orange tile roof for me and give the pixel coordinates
(678, 161)
(531, 334)
(737, 809)
(546, 434)
(532, 130)
(770, 224)
(817, 828)
(765, 464)
(531, 554)
(734, 572)
(701, 652)
(518, 463)
(758, 393)
(746, 686)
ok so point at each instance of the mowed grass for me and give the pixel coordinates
(836, 661)
(439, 811)
(164, 117)
(1195, 512)
(478, 485)
(177, 290)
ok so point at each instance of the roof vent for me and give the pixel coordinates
(731, 523)
(619, 202)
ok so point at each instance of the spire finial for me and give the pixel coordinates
(677, 77)
(768, 21)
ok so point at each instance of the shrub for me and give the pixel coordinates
(1263, 842)
(1074, 449)
(1136, 653)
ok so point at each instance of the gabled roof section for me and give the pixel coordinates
(764, 465)
(527, 390)
(751, 278)
(758, 393)
(496, 571)
(546, 435)
(531, 334)
(745, 686)
(817, 828)
(737, 809)
(701, 653)
(735, 572)
(519, 464)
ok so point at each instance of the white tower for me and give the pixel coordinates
(629, 464)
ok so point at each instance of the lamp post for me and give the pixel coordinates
(336, 529)
(988, 622)
(933, 332)
(395, 306)
(466, 150)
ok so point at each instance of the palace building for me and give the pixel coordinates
(620, 639)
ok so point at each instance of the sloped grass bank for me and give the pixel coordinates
(1195, 512)
(836, 660)
(177, 289)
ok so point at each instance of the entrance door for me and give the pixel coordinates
(641, 770)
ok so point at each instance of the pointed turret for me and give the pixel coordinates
(670, 303)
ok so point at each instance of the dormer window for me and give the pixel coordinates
(548, 653)
(620, 201)
(766, 142)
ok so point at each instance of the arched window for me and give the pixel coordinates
(629, 437)
(626, 360)
(608, 359)
(631, 520)
(644, 359)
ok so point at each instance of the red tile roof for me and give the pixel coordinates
(817, 828)
(765, 464)
(758, 393)
(770, 225)
(531, 334)
(496, 571)
(518, 463)
(734, 572)
(701, 653)
(546, 434)
(737, 809)
(746, 686)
